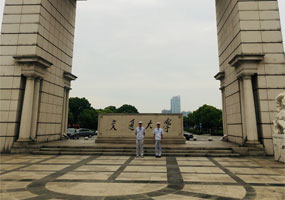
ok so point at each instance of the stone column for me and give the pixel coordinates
(224, 111)
(249, 111)
(63, 113)
(35, 108)
(26, 118)
(221, 76)
(66, 109)
(244, 136)
(68, 77)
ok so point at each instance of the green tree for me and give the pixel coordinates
(127, 109)
(188, 121)
(77, 105)
(81, 112)
(208, 116)
(70, 118)
(110, 109)
(88, 118)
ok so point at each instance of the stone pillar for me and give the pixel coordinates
(63, 113)
(224, 111)
(249, 111)
(244, 136)
(35, 108)
(68, 77)
(66, 109)
(26, 119)
(221, 77)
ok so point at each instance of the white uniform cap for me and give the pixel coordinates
(158, 123)
(140, 122)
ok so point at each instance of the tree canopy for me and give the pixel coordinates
(81, 112)
(77, 105)
(110, 109)
(205, 117)
(127, 109)
(88, 118)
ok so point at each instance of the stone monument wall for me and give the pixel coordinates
(121, 127)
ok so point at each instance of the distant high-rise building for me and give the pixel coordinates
(175, 104)
(166, 111)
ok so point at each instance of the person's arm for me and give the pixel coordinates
(161, 135)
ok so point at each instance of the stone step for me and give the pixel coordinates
(132, 154)
(134, 147)
(134, 150)
(132, 140)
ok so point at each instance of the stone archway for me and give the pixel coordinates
(36, 60)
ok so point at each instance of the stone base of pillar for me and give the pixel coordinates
(22, 147)
(253, 143)
(254, 148)
(24, 140)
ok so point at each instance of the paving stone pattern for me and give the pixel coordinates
(126, 177)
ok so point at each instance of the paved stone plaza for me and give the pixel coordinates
(103, 177)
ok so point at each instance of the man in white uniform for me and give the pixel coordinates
(158, 133)
(140, 133)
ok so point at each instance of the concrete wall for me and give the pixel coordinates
(43, 32)
(125, 124)
(250, 28)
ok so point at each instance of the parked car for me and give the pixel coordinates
(72, 133)
(96, 132)
(85, 132)
(188, 136)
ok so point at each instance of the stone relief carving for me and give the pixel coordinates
(279, 122)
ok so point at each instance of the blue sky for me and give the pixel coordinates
(143, 52)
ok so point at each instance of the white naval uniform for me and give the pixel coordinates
(158, 132)
(140, 133)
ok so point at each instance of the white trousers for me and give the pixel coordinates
(139, 147)
(158, 148)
